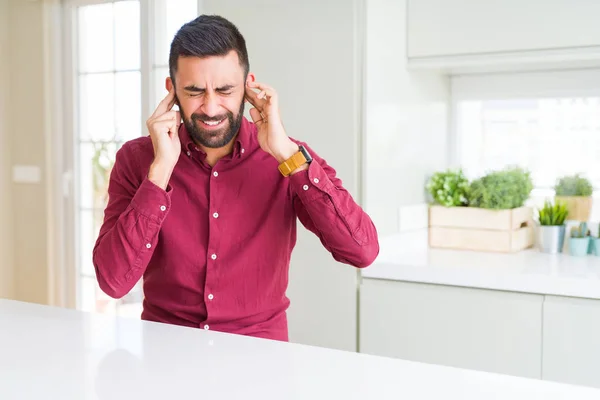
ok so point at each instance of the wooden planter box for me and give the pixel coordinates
(466, 228)
(579, 207)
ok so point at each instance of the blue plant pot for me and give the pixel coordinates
(594, 246)
(579, 246)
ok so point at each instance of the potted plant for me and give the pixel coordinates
(595, 244)
(493, 216)
(505, 189)
(576, 191)
(449, 188)
(579, 242)
(551, 230)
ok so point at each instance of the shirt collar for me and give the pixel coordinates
(242, 140)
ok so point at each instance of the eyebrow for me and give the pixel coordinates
(196, 89)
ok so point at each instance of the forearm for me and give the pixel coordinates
(127, 240)
(328, 210)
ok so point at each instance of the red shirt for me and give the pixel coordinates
(214, 248)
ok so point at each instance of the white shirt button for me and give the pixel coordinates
(206, 327)
(163, 208)
(215, 173)
(216, 215)
(316, 180)
(243, 150)
(305, 187)
(210, 296)
(148, 245)
(214, 256)
(189, 153)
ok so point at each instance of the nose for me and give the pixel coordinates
(211, 104)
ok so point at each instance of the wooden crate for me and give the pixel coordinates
(579, 207)
(470, 228)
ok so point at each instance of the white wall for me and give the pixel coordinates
(27, 144)
(406, 119)
(308, 51)
(6, 247)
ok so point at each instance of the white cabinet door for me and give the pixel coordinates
(469, 328)
(467, 27)
(572, 341)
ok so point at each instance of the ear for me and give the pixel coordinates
(168, 84)
(250, 78)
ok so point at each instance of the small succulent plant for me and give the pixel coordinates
(580, 231)
(553, 214)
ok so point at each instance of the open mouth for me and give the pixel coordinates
(213, 124)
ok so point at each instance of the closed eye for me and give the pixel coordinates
(227, 90)
(195, 91)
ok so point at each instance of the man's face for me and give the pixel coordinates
(210, 93)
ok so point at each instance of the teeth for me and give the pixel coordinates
(212, 123)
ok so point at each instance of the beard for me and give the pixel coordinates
(213, 138)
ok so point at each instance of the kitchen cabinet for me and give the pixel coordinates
(440, 28)
(571, 344)
(479, 329)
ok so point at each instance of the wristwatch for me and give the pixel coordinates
(294, 162)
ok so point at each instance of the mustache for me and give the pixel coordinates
(204, 117)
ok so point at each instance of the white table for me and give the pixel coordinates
(52, 353)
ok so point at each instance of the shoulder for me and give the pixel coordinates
(135, 156)
(140, 149)
(141, 144)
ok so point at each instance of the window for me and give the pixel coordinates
(551, 129)
(109, 78)
(168, 18)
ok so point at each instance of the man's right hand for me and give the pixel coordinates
(163, 126)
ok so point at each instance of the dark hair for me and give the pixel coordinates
(205, 36)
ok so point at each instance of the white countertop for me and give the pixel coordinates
(52, 353)
(406, 257)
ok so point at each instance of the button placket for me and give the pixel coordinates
(213, 241)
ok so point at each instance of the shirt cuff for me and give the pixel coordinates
(311, 183)
(152, 201)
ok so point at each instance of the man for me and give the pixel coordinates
(206, 210)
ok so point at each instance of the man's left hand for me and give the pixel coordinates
(265, 114)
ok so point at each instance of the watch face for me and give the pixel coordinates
(305, 153)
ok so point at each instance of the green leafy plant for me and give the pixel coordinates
(449, 188)
(580, 231)
(503, 189)
(553, 214)
(573, 185)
